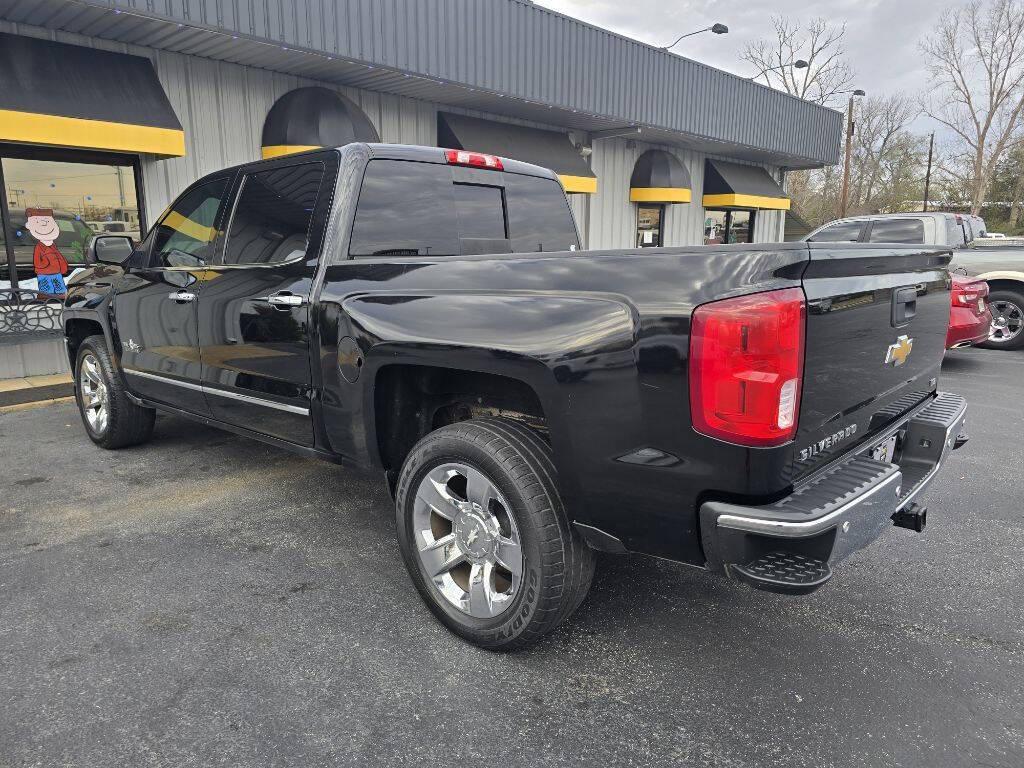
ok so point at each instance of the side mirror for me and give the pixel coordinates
(111, 249)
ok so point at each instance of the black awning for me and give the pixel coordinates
(730, 185)
(549, 149)
(311, 118)
(72, 96)
(659, 177)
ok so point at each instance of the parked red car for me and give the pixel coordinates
(970, 318)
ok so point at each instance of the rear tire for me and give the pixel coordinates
(1007, 307)
(111, 419)
(518, 511)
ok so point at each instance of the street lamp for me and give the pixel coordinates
(718, 29)
(844, 195)
(798, 64)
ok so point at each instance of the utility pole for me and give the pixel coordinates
(120, 185)
(845, 194)
(928, 173)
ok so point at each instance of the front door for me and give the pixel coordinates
(156, 304)
(254, 324)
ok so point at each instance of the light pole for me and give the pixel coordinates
(798, 64)
(845, 194)
(928, 173)
(718, 29)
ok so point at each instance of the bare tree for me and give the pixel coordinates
(884, 153)
(819, 43)
(976, 56)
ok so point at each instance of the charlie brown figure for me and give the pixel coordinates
(49, 263)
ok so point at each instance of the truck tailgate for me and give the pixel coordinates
(877, 318)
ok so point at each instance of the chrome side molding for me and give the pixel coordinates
(219, 392)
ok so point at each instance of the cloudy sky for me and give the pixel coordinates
(881, 38)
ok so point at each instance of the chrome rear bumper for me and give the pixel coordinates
(842, 509)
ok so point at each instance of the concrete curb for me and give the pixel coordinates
(35, 404)
(34, 389)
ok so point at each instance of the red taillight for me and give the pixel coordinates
(473, 159)
(967, 293)
(746, 364)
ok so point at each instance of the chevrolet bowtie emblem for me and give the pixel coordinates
(899, 351)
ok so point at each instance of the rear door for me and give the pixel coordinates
(876, 331)
(155, 304)
(254, 314)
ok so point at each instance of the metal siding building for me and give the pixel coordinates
(224, 63)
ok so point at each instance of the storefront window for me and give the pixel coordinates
(714, 227)
(54, 208)
(55, 203)
(649, 226)
(728, 226)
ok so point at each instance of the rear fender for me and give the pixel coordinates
(548, 342)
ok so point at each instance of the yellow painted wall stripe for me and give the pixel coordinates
(280, 150)
(746, 201)
(582, 184)
(660, 194)
(32, 128)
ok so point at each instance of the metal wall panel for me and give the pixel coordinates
(509, 47)
(223, 105)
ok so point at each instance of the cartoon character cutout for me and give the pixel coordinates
(50, 264)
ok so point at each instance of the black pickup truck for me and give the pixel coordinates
(760, 411)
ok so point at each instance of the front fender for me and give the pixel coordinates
(89, 298)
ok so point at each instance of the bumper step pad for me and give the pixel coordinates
(786, 572)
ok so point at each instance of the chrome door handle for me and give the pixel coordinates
(286, 300)
(182, 296)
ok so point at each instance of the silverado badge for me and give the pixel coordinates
(899, 351)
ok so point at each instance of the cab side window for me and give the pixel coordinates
(186, 234)
(272, 216)
(843, 232)
(897, 231)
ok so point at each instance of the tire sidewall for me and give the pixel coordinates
(512, 622)
(86, 349)
(1012, 297)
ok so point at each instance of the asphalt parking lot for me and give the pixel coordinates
(207, 600)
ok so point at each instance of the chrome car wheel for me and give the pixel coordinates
(95, 398)
(1007, 321)
(467, 540)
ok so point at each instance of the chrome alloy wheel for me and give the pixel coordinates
(1007, 321)
(467, 540)
(95, 398)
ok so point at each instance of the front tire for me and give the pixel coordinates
(1007, 320)
(111, 419)
(485, 536)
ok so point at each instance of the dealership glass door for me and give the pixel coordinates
(53, 203)
(650, 226)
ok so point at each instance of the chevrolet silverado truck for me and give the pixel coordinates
(760, 411)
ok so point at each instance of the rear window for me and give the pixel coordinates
(539, 218)
(416, 209)
(897, 231)
(844, 232)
